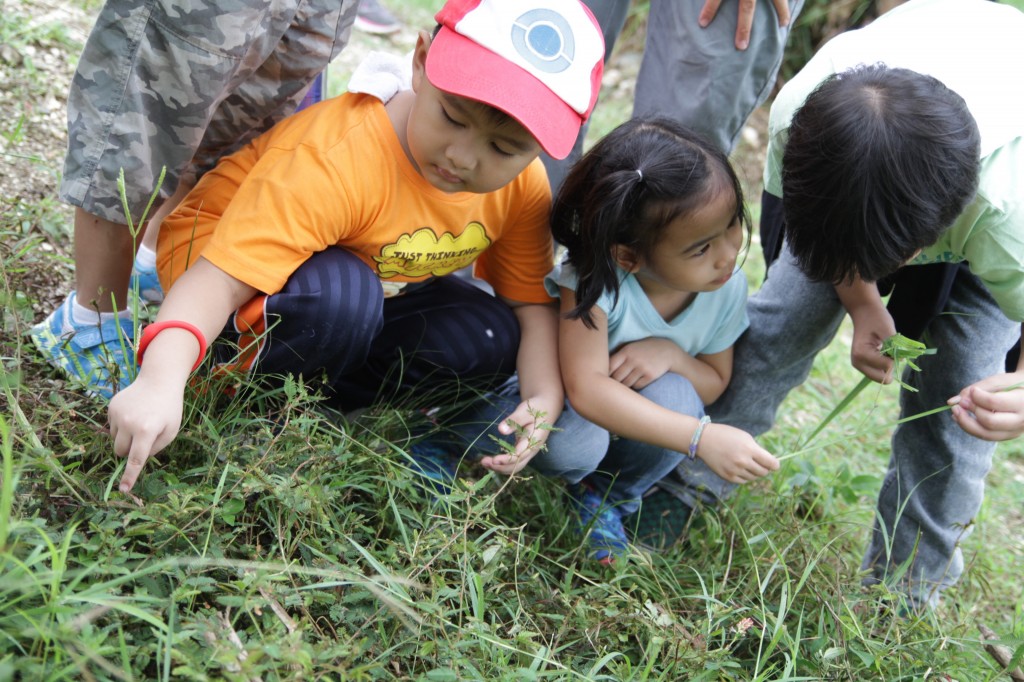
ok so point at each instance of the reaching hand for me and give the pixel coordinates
(745, 17)
(734, 455)
(143, 421)
(529, 419)
(871, 326)
(989, 409)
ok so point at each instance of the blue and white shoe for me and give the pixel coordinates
(599, 522)
(435, 464)
(101, 356)
(146, 282)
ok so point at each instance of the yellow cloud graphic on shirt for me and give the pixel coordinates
(423, 253)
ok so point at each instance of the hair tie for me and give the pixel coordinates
(640, 175)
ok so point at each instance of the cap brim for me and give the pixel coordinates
(461, 67)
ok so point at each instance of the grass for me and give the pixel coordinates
(274, 542)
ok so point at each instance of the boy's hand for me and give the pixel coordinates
(530, 417)
(734, 455)
(143, 420)
(989, 409)
(639, 363)
(871, 326)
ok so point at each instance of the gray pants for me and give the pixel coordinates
(936, 479)
(620, 469)
(179, 83)
(695, 75)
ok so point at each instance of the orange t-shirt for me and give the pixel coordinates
(336, 174)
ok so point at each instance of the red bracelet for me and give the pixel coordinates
(151, 330)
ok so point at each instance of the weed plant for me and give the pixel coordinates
(276, 540)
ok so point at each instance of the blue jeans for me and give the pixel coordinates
(620, 469)
(935, 483)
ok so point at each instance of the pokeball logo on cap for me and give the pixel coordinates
(544, 38)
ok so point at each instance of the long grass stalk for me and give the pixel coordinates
(7, 484)
(846, 401)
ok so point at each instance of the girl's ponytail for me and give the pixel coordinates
(624, 192)
(590, 226)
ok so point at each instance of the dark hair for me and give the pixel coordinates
(879, 163)
(605, 201)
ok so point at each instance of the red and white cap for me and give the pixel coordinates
(539, 61)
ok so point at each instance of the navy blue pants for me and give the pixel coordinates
(332, 325)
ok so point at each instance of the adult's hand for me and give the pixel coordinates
(745, 17)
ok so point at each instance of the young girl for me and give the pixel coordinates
(653, 220)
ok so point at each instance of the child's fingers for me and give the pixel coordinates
(1011, 401)
(966, 421)
(504, 464)
(766, 461)
(988, 425)
(137, 456)
(876, 367)
(757, 470)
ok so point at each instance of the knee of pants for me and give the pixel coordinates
(674, 392)
(325, 317)
(575, 448)
(487, 331)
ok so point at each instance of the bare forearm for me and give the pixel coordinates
(537, 362)
(707, 380)
(204, 297)
(628, 414)
(859, 295)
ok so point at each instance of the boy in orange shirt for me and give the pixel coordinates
(326, 241)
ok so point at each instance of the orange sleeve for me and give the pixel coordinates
(524, 254)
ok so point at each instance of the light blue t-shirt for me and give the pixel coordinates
(976, 49)
(710, 324)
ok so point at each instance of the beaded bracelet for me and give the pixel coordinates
(704, 421)
(151, 330)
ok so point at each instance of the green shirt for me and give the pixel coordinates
(976, 48)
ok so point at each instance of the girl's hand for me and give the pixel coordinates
(871, 326)
(986, 410)
(529, 417)
(144, 418)
(734, 455)
(639, 363)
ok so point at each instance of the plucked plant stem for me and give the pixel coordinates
(898, 347)
(902, 350)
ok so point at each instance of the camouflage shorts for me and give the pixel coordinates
(178, 83)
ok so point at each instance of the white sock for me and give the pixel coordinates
(145, 258)
(88, 316)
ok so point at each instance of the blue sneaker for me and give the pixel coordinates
(435, 465)
(146, 282)
(91, 354)
(607, 536)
